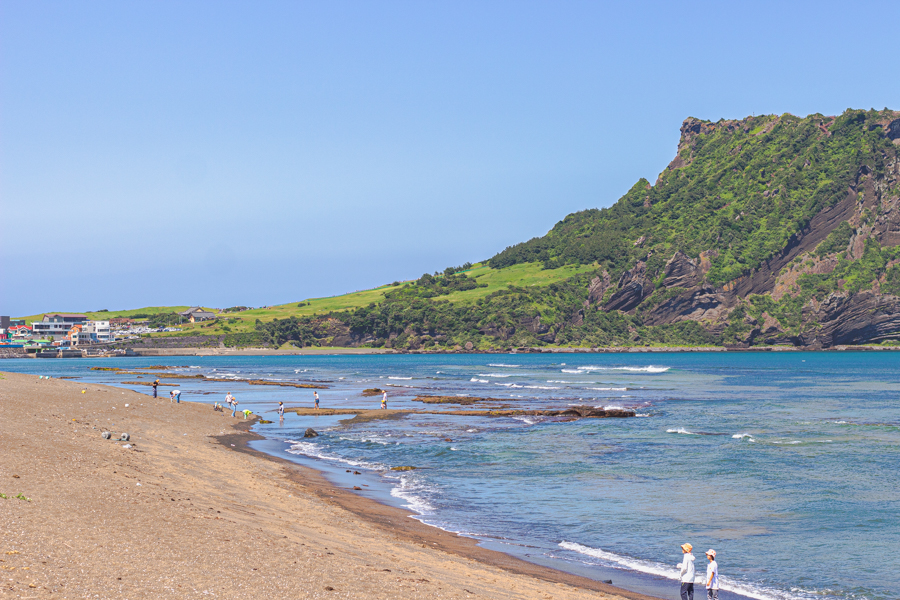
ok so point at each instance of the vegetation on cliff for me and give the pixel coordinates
(743, 188)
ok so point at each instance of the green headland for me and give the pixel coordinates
(769, 230)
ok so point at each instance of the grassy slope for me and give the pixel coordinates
(521, 275)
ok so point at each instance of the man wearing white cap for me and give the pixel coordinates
(712, 576)
(687, 573)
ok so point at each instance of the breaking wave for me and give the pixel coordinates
(681, 430)
(750, 590)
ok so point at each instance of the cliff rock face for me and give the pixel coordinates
(598, 288)
(796, 295)
(633, 287)
(681, 271)
(866, 317)
(700, 303)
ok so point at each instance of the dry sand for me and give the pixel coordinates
(189, 511)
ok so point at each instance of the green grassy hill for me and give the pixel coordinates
(229, 323)
(523, 275)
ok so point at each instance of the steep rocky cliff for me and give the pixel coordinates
(811, 290)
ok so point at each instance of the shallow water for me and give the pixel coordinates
(785, 463)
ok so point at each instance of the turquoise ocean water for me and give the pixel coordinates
(785, 463)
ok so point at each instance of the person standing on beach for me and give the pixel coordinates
(281, 411)
(316, 394)
(234, 404)
(384, 400)
(712, 576)
(155, 383)
(686, 570)
(228, 399)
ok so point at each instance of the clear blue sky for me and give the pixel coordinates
(225, 153)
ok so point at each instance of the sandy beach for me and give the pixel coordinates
(189, 510)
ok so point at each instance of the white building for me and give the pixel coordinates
(91, 332)
(56, 326)
(99, 331)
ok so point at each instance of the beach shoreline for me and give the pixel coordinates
(187, 504)
(344, 351)
(399, 521)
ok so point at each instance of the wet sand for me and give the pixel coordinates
(191, 511)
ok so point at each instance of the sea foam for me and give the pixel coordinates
(410, 488)
(681, 430)
(647, 369)
(315, 451)
(610, 559)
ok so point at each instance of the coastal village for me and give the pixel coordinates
(73, 335)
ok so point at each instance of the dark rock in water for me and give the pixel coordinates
(348, 470)
(609, 581)
(462, 400)
(447, 440)
(310, 433)
(585, 412)
(356, 487)
(355, 472)
(402, 468)
(372, 392)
